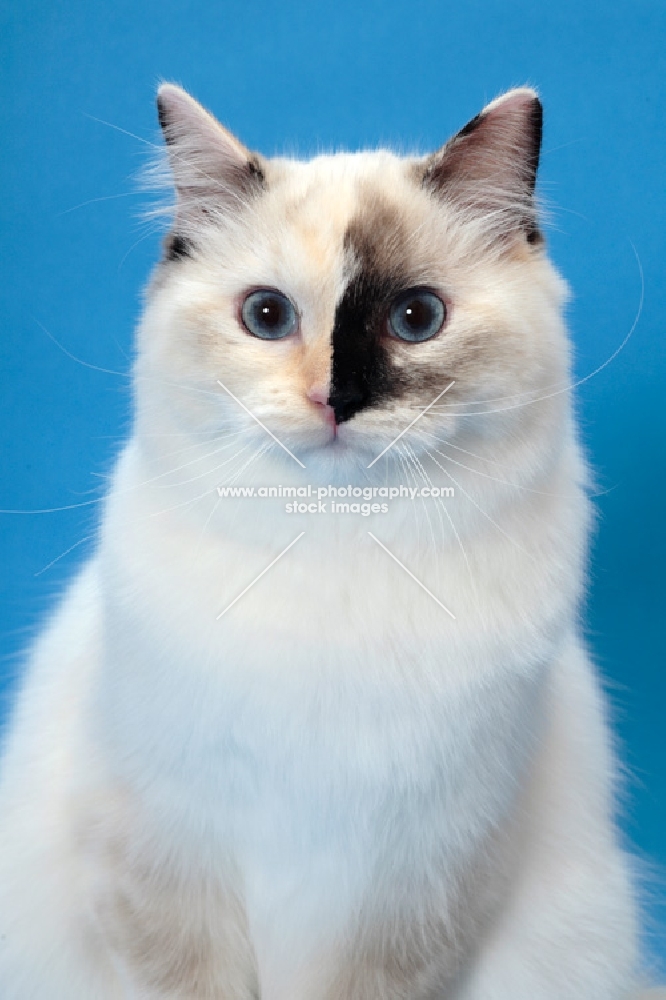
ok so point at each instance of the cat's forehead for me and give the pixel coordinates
(362, 205)
(340, 175)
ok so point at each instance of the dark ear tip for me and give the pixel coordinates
(169, 99)
(537, 110)
(537, 135)
(161, 111)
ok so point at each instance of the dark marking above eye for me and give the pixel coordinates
(533, 234)
(256, 171)
(176, 247)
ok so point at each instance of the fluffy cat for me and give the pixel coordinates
(384, 771)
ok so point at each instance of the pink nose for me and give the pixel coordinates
(318, 394)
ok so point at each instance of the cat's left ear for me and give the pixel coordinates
(490, 166)
(211, 169)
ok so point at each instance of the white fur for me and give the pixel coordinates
(335, 752)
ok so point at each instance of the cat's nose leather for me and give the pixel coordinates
(318, 394)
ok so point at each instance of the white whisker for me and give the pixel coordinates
(62, 555)
(483, 512)
(502, 482)
(206, 472)
(95, 201)
(413, 461)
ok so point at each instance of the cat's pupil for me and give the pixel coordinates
(418, 314)
(270, 313)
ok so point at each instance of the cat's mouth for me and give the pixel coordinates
(330, 437)
(331, 423)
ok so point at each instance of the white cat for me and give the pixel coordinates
(384, 772)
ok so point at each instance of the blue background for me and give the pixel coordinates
(298, 77)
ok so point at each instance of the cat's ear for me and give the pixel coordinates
(211, 169)
(490, 166)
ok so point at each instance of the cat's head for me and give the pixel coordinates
(337, 299)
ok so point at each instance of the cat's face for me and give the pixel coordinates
(337, 299)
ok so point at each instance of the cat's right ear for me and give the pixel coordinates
(489, 168)
(211, 169)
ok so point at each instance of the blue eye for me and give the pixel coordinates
(417, 315)
(269, 315)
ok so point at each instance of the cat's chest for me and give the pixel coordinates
(316, 689)
(310, 752)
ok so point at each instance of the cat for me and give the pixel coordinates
(303, 756)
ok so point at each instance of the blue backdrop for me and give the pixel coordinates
(297, 77)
